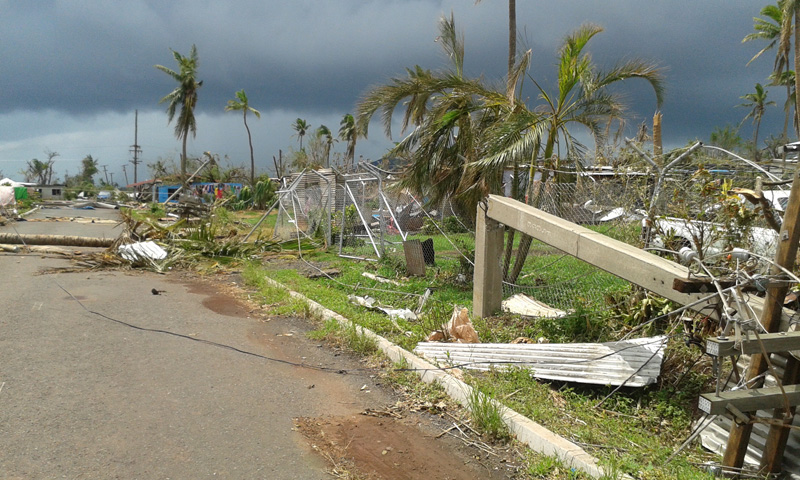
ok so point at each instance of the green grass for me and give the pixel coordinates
(487, 416)
(633, 432)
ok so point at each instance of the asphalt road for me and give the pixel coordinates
(85, 397)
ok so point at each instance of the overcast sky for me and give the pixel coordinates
(74, 72)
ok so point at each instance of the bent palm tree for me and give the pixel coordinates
(185, 97)
(301, 127)
(324, 133)
(349, 133)
(757, 102)
(240, 103)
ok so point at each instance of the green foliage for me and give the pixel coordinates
(157, 209)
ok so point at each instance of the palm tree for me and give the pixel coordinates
(770, 28)
(512, 35)
(757, 102)
(185, 97)
(791, 11)
(582, 98)
(325, 134)
(241, 103)
(301, 127)
(349, 133)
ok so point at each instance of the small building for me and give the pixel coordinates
(208, 191)
(51, 192)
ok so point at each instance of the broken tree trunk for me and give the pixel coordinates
(60, 240)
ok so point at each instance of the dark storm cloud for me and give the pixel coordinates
(314, 59)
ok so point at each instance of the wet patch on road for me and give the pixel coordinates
(388, 448)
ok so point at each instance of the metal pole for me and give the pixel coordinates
(187, 181)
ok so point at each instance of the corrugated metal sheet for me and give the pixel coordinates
(633, 362)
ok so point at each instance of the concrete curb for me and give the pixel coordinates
(535, 436)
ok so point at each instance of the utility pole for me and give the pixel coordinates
(112, 179)
(105, 173)
(135, 150)
(126, 174)
(785, 255)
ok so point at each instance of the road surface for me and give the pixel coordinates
(86, 391)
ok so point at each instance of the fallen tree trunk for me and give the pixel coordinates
(37, 249)
(60, 240)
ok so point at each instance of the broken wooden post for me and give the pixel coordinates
(770, 318)
(415, 260)
(487, 291)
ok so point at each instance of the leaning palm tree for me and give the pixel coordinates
(301, 127)
(349, 133)
(240, 103)
(757, 103)
(185, 97)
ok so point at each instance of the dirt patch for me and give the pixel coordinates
(217, 301)
(387, 448)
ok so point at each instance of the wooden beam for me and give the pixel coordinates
(699, 285)
(748, 400)
(773, 342)
(626, 261)
(618, 258)
(487, 290)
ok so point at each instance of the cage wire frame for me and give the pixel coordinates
(364, 213)
(304, 206)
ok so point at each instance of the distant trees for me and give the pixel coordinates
(241, 103)
(776, 29)
(39, 171)
(726, 137)
(184, 96)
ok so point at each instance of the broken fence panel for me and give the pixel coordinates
(634, 363)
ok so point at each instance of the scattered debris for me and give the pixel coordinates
(633, 363)
(323, 273)
(458, 329)
(377, 278)
(393, 313)
(522, 304)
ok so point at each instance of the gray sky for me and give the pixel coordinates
(73, 72)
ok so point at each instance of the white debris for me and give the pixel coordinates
(522, 304)
(142, 250)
